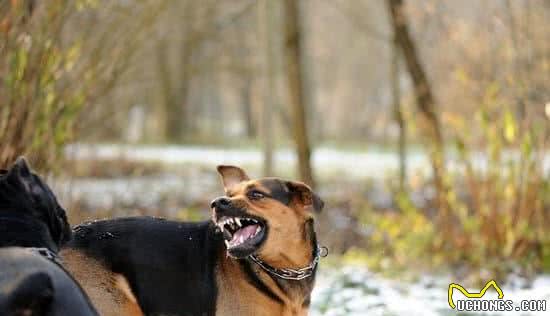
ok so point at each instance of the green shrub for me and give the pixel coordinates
(56, 60)
(497, 195)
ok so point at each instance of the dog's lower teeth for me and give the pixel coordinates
(231, 226)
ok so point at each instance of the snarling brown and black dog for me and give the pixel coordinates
(257, 256)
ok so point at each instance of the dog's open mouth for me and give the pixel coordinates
(243, 235)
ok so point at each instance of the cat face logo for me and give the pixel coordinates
(459, 287)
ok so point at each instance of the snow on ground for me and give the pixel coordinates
(352, 163)
(144, 192)
(355, 164)
(354, 291)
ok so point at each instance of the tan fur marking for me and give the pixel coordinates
(109, 292)
(124, 286)
(237, 297)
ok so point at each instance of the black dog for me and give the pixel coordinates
(29, 213)
(256, 257)
(33, 226)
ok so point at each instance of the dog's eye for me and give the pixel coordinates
(255, 195)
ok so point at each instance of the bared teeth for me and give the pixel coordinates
(232, 242)
(235, 222)
(227, 235)
(230, 225)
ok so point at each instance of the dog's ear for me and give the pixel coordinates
(231, 175)
(32, 296)
(20, 168)
(21, 173)
(305, 195)
(23, 166)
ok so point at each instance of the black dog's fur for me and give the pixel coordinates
(150, 253)
(29, 213)
(32, 284)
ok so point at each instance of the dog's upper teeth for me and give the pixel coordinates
(238, 221)
(226, 243)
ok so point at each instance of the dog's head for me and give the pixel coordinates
(24, 196)
(270, 217)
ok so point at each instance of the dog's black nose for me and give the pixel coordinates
(220, 202)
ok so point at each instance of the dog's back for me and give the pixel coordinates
(166, 266)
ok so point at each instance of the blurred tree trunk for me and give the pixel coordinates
(423, 93)
(517, 62)
(180, 120)
(173, 98)
(267, 22)
(246, 106)
(165, 81)
(177, 77)
(295, 78)
(398, 114)
(217, 124)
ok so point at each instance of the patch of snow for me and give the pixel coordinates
(354, 164)
(354, 291)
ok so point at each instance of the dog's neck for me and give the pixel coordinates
(298, 253)
(22, 231)
(288, 297)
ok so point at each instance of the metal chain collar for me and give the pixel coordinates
(293, 274)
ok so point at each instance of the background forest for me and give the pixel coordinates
(424, 124)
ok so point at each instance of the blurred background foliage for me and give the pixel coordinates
(58, 59)
(464, 83)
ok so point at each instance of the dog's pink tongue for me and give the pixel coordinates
(244, 233)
